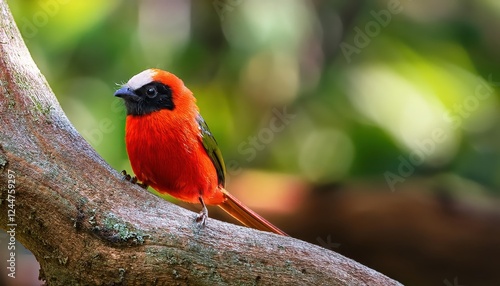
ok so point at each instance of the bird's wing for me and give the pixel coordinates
(231, 205)
(212, 149)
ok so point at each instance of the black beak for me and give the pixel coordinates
(126, 93)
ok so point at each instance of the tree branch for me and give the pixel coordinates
(86, 226)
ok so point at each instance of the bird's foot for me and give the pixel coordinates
(201, 218)
(133, 180)
(127, 177)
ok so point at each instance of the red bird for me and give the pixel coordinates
(172, 150)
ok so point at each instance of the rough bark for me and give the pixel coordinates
(88, 227)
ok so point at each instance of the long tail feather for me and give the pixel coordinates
(246, 216)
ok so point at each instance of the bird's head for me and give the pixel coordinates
(152, 90)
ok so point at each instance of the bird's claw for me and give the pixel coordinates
(126, 176)
(201, 218)
(133, 179)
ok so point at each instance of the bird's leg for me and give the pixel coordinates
(133, 180)
(201, 218)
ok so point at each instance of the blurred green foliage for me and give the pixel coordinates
(368, 84)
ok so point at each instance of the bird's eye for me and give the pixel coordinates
(151, 91)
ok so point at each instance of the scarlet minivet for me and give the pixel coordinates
(172, 150)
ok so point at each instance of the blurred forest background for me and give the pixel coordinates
(371, 128)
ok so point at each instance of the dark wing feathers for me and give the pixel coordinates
(212, 149)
